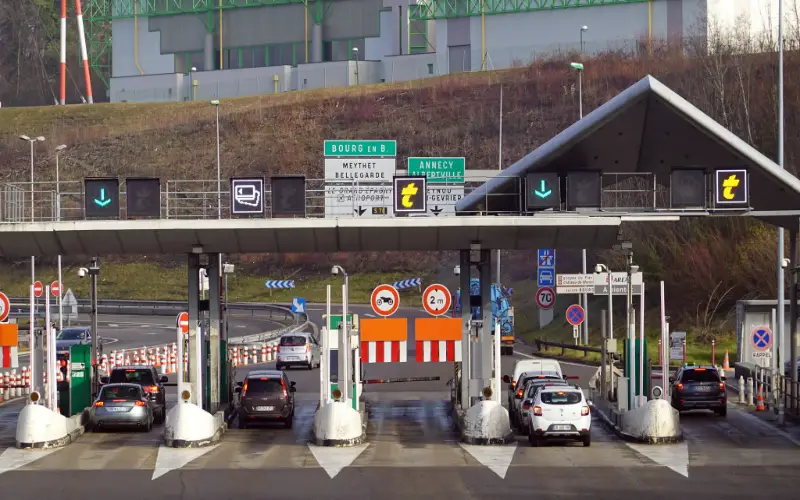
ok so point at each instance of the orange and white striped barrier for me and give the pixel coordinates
(438, 351)
(438, 339)
(383, 340)
(760, 398)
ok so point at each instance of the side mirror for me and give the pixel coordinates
(671, 380)
(292, 384)
(163, 379)
(506, 379)
(240, 384)
(103, 380)
(237, 390)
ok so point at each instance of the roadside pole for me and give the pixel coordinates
(642, 353)
(603, 354)
(35, 349)
(327, 348)
(181, 374)
(497, 377)
(665, 347)
(344, 349)
(52, 401)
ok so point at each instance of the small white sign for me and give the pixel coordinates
(576, 332)
(359, 169)
(363, 200)
(619, 279)
(676, 345)
(762, 355)
(442, 200)
(585, 280)
(574, 289)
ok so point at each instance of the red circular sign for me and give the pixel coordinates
(38, 289)
(385, 300)
(575, 314)
(5, 307)
(183, 322)
(436, 300)
(546, 297)
(55, 288)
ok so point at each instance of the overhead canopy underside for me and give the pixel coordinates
(647, 128)
(306, 235)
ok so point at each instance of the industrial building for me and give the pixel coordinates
(175, 50)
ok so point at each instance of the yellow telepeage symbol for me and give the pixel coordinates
(728, 186)
(407, 192)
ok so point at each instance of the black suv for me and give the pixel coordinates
(149, 380)
(265, 396)
(699, 388)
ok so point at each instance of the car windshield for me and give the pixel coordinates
(293, 341)
(561, 398)
(120, 392)
(132, 376)
(264, 386)
(71, 334)
(699, 375)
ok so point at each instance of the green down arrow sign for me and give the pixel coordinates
(103, 201)
(542, 192)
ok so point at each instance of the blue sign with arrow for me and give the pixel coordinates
(298, 305)
(101, 198)
(543, 191)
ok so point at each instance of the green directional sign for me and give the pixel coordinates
(542, 191)
(438, 170)
(367, 148)
(336, 320)
(101, 198)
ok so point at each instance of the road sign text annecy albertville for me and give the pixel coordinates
(438, 170)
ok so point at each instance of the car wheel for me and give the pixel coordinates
(310, 365)
(587, 441)
(288, 422)
(534, 440)
(242, 424)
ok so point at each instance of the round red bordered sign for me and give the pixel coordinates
(575, 314)
(385, 300)
(546, 297)
(38, 289)
(55, 288)
(436, 300)
(183, 322)
(5, 307)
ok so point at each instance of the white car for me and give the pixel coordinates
(531, 388)
(560, 413)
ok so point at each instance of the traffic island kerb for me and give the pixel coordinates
(39, 427)
(189, 426)
(485, 423)
(338, 424)
(654, 423)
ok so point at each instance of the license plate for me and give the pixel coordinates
(291, 358)
(704, 388)
(562, 427)
(265, 408)
(117, 408)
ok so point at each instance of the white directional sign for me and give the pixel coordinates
(359, 169)
(69, 301)
(363, 200)
(574, 283)
(442, 200)
(619, 283)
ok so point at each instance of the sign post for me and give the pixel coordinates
(575, 317)
(182, 325)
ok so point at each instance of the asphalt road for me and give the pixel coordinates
(412, 451)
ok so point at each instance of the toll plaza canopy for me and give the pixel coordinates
(647, 128)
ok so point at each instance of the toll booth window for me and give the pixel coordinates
(120, 393)
(561, 398)
(264, 386)
(144, 377)
(71, 334)
(293, 341)
(699, 376)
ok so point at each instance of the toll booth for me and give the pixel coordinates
(77, 393)
(632, 349)
(333, 361)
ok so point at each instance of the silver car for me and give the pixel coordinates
(121, 405)
(298, 349)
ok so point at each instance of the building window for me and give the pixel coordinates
(327, 51)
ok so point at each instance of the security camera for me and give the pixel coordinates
(598, 268)
(457, 270)
(82, 272)
(634, 269)
(335, 270)
(785, 263)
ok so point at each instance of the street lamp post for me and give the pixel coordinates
(32, 141)
(344, 342)
(583, 30)
(215, 103)
(355, 54)
(58, 219)
(585, 297)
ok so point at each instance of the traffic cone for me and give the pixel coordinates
(760, 399)
(726, 363)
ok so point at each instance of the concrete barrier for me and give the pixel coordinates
(338, 424)
(41, 427)
(654, 423)
(189, 426)
(485, 423)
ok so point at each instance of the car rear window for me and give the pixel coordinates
(525, 380)
(132, 376)
(120, 393)
(561, 398)
(699, 376)
(293, 341)
(264, 386)
(535, 387)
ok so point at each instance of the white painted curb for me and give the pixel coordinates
(337, 424)
(656, 421)
(189, 426)
(40, 427)
(486, 423)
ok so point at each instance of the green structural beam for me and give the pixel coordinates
(446, 9)
(123, 9)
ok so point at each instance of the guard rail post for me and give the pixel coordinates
(741, 390)
(749, 391)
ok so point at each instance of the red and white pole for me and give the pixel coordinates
(84, 57)
(713, 352)
(62, 96)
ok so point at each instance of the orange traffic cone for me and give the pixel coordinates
(760, 398)
(726, 363)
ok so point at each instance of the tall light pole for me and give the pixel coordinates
(58, 219)
(578, 67)
(355, 55)
(32, 141)
(215, 103)
(583, 30)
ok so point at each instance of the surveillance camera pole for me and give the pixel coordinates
(94, 271)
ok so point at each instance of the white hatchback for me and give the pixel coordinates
(560, 413)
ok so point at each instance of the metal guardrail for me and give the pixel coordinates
(542, 345)
(783, 385)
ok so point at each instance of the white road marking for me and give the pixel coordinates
(13, 458)
(496, 458)
(169, 459)
(675, 456)
(334, 459)
(113, 325)
(766, 426)
(369, 315)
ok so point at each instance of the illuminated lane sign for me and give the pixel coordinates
(101, 198)
(410, 195)
(731, 187)
(542, 190)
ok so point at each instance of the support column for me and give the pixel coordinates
(485, 343)
(193, 382)
(208, 54)
(316, 43)
(214, 309)
(793, 338)
(466, 365)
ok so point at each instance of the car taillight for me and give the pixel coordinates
(526, 405)
(537, 411)
(722, 386)
(519, 393)
(141, 403)
(98, 404)
(285, 392)
(584, 411)
(308, 348)
(513, 385)
(679, 387)
(244, 390)
(152, 388)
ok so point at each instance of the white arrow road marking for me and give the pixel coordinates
(675, 456)
(334, 459)
(13, 458)
(169, 458)
(496, 458)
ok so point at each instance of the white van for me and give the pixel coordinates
(535, 365)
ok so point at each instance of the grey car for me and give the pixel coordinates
(69, 337)
(121, 405)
